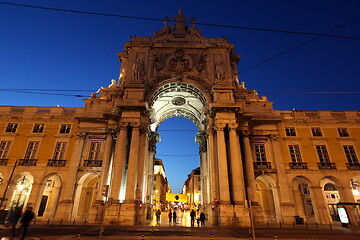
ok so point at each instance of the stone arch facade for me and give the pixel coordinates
(245, 146)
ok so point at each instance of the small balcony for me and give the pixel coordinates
(298, 165)
(262, 165)
(353, 166)
(92, 163)
(56, 163)
(3, 161)
(326, 165)
(27, 162)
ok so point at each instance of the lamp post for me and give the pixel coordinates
(8, 184)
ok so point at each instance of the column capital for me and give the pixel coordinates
(123, 125)
(81, 134)
(220, 126)
(245, 133)
(233, 126)
(135, 125)
(274, 137)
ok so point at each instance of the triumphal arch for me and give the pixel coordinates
(178, 72)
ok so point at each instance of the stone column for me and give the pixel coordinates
(213, 190)
(131, 181)
(66, 204)
(34, 199)
(119, 162)
(237, 176)
(250, 175)
(287, 206)
(222, 164)
(95, 212)
(320, 207)
(105, 166)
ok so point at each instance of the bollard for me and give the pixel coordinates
(34, 221)
(268, 225)
(330, 225)
(85, 222)
(211, 236)
(306, 225)
(78, 237)
(48, 222)
(293, 224)
(317, 225)
(275, 237)
(280, 224)
(74, 222)
(60, 221)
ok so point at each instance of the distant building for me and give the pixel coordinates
(161, 185)
(192, 188)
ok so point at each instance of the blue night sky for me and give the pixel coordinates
(44, 49)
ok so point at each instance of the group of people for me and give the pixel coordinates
(200, 218)
(15, 215)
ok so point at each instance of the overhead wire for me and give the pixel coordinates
(298, 46)
(198, 23)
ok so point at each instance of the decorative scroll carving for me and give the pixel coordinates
(201, 138)
(153, 137)
(274, 137)
(220, 126)
(199, 61)
(233, 126)
(179, 63)
(245, 133)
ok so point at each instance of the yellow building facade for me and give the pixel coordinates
(78, 163)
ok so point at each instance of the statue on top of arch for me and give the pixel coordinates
(180, 29)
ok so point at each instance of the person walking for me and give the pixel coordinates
(158, 214)
(192, 217)
(13, 219)
(170, 215)
(174, 217)
(202, 219)
(25, 220)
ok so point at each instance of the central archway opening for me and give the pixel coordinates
(178, 117)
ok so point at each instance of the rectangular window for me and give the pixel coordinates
(343, 132)
(260, 153)
(295, 153)
(290, 131)
(31, 150)
(11, 127)
(95, 150)
(59, 152)
(316, 132)
(4, 149)
(38, 128)
(350, 154)
(65, 128)
(323, 154)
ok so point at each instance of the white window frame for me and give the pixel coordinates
(65, 128)
(295, 153)
(290, 131)
(12, 127)
(4, 149)
(95, 150)
(38, 128)
(59, 151)
(32, 149)
(350, 154)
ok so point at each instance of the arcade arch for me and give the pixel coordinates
(50, 189)
(85, 195)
